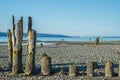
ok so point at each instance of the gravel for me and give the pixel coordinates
(62, 56)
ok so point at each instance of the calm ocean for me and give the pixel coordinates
(4, 39)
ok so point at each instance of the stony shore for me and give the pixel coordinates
(62, 56)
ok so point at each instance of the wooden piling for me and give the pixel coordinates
(108, 69)
(17, 47)
(45, 64)
(31, 45)
(30, 60)
(90, 69)
(97, 40)
(72, 71)
(9, 48)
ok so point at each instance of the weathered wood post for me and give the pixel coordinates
(17, 47)
(21, 38)
(29, 29)
(45, 64)
(72, 71)
(90, 69)
(9, 47)
(29, 24)
(97, 40)
(31, 45)
(30, 62)
(109, 69)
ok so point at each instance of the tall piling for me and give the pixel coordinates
(17, 46)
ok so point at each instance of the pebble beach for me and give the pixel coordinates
(62, 56)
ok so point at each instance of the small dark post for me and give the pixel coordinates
(97, 40)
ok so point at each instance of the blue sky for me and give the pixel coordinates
(69, 17)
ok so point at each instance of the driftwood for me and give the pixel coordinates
(9, 47)
(31, 45)
(17, 46)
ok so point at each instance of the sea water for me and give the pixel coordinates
(76, 39)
